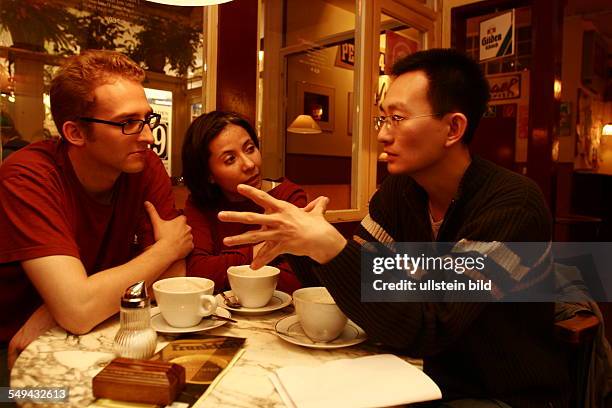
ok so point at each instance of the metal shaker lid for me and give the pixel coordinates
(135, 297)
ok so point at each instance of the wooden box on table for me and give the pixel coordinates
(126, 379)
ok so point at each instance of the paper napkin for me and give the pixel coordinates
(374, 381)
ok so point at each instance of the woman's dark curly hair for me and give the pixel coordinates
(196, 154)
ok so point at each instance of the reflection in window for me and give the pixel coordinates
(319, 83)
(35, 36)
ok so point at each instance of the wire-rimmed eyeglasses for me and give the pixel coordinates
(394, 120)
(130, 126)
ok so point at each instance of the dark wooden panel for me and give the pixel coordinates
(496, 134)
(592, 196)
(315, 169)
(237, 57)
(563, 185)
(547, 18)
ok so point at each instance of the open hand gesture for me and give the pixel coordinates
(285, 228)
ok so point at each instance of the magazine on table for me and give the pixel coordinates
(204, 358)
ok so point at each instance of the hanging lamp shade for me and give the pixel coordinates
(189, 2)
(304, 124)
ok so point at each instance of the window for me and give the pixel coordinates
(36, 36)
(323, 58)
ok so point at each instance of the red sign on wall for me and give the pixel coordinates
(397, 47)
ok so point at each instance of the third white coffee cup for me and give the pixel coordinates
(320, 317)
(253, 288)
(183, 301)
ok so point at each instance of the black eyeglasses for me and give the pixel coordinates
(130, 126)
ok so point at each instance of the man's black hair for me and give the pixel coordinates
(456, 83)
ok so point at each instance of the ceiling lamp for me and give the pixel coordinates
(189, 2)
(304, 124)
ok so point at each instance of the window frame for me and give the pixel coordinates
(366, 34)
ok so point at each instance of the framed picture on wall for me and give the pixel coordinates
(565, 118)
(317, 101)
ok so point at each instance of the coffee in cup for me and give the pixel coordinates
(253, 287)
(183, 301)
(320, 317)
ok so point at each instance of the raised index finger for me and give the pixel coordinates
(261, 198)
(247, 217)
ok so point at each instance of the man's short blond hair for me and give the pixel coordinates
(73, 86)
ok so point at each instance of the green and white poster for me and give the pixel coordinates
(497, 36)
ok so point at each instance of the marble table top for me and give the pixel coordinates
(61, 359)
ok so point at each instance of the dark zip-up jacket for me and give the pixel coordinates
(504, 351)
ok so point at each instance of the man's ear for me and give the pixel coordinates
(457, 123)
(73, 133)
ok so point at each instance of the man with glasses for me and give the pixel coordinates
(480, 354)
(85, 217)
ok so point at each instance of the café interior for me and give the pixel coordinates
(310, 75)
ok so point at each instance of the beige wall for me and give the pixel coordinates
(310, 20)
(336, 142)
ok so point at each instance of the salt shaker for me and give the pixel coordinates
(135, 338)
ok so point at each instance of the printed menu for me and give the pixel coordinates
(204, 358)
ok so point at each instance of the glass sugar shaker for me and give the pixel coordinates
(135, 338)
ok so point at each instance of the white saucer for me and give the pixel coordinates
(159, 323)
(289, 329)
(278, 301)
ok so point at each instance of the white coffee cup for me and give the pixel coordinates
(253, 288)
(320, 317)
(183, 301)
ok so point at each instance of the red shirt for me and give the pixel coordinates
(44, 210)
(210, 258)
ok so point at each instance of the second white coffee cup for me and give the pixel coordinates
(253, 288)
(320, 317)
(184, 301)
